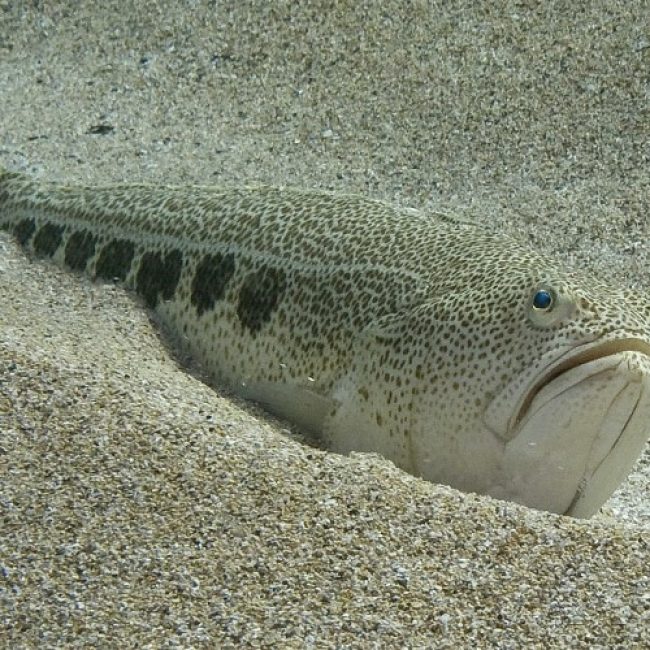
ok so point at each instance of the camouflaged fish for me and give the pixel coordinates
(461, 355)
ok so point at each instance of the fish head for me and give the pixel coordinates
(541, 389)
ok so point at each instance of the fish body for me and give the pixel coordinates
(460, 354)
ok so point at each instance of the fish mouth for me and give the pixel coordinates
(569, 361)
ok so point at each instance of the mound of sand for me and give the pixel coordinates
(141, 507)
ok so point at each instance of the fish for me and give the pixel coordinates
(461, 354)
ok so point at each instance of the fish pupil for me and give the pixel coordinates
(542, 300)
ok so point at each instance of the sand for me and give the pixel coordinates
(143, 508)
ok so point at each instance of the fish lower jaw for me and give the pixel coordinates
(581, 436)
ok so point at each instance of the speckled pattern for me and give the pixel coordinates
(141, 507)
(376, 328)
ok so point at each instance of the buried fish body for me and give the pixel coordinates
(459, 354)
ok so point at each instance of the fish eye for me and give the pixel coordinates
(543, 300)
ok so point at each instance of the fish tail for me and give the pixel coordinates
(5, 176)
(4, 171)
(9, 190)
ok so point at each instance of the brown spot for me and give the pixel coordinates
(259, 297)
(158, 276)
(210, 280)
(48, 239)
(24, 230)
(115, 259)
(79, 249)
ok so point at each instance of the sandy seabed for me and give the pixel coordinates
(141, 508)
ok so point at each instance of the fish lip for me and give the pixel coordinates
(572, 359)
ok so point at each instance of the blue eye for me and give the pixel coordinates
(543, 300)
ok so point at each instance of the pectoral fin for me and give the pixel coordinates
(291, 401)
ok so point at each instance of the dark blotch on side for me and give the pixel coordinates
(48, 239)
(115, 260)
(158, 276)
(259, 296)
(24, 230)
(79, 249)
(210, 279)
